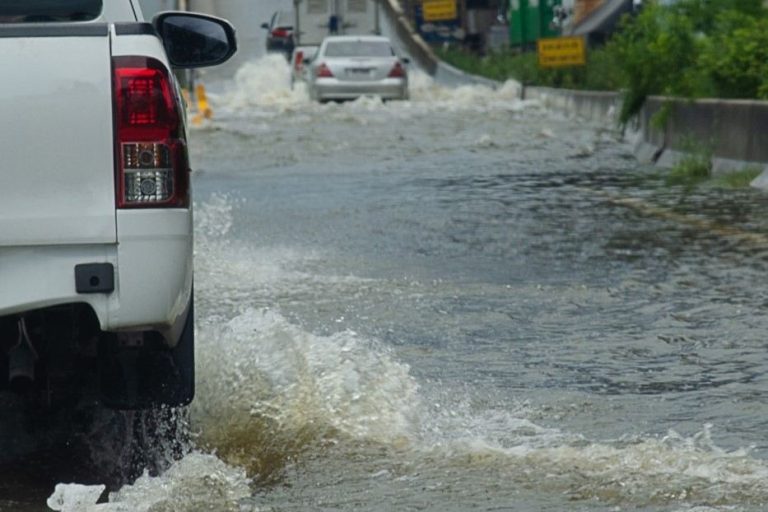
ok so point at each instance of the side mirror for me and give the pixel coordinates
(195, 40)
(265, 26)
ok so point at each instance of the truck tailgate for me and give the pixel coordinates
(56, 142)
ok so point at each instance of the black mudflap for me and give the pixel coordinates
(149, 374)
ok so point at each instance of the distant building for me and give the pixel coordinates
(480, 18)
(477, 24)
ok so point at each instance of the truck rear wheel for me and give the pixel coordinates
(148, 373)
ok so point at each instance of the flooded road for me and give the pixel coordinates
(462, 302)
(449, 304)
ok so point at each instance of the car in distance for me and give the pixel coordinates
(96, 227)
(299, 68)
(280, 33)
(347, 67)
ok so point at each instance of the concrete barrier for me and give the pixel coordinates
(418, 49)
(598, 106)
(406, 35)
(448, 75)
(734, 132)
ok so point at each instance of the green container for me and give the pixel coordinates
(530, 20)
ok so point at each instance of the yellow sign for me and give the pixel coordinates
(439, 10)
(561, 52)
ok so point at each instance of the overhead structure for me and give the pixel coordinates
(598, 19)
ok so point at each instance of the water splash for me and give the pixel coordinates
(273, 394)
(263, 88)
(197, 482)
(263, 82)
(643, 471)
(271, 389)
(74, 497)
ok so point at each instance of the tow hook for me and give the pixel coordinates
(22, 358)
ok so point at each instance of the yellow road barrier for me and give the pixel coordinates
(202, 108)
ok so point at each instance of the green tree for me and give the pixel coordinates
(704, 13)
(736, 55)
(657, 51)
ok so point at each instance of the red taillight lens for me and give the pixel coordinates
(398, 71)
(323, 71)
(150, 144)
(281, 32)
(299, 61)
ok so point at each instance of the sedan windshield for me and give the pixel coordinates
(358, 49)
(31, 11)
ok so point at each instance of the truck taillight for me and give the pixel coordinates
(150, 143)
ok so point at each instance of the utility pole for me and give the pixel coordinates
(339, 18)
(186, 77)
(463, 17)
(297, 22)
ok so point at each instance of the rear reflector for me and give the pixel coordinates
(150, 143)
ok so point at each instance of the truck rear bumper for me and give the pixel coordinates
(152, 274)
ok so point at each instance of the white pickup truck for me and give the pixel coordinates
(95, 199)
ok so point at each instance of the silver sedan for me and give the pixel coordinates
(347, 67)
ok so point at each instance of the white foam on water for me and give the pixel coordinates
(423, 88)
(641, 471)
(214, 218)
(197, 482)
(726, 508)
(270, 389)
(75, 497)
(263, 87)
(265, 82)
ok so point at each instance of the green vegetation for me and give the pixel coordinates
(691, 170)
(695, 168)
(692, 49)
(738, 179)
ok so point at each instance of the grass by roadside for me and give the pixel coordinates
(693, 169)
(696, 169)
(738, 179)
